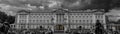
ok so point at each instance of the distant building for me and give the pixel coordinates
(114, 18)
(113, 23)
(58, 19)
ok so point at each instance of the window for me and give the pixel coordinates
(40, 16)
(33, 20)
(90, 16)
(72, 20)
(44, 16)
(79, 20)
(37, 21)
(43, 21)
(40, 20)
(86, 16)
(101, 16)
(28, 27)
(80, 16)
(47, 20)
(96, 16)
(87, 21)
(76, 16)
(13, 26)
(29, 20)
(83, 16)
(72, 16)
(76, 21)
(22, 16)
(33, 16)
(37, 16)
(22, 27)
(83, 20)
(48, 16)
(101, 21)
(69, 21)
(19, 26)
(91, 21)
(22, 21)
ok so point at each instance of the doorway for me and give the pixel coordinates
(59, 27)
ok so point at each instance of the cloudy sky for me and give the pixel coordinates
(12, 6)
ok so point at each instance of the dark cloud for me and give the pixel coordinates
(87, 4)
(69, 3)
(11, 2)
(78, 4)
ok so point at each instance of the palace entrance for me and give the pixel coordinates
(59, 27)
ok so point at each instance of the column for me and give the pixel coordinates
(65, 27)
(52, 28)
(67, 18)
(104, 22)
(113, 27)
(54, 18)
(27, 19)
(68, 23)
(18, 18)
(60, 18)
(57, 19)
(94, 18)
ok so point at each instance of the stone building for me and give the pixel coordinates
(58, 19)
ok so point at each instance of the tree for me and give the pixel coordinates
(115, 3)
(107, 4)
(94, 4)
(6, 21)
(80, 27)
(3, 17)
(41, 28)
(10, 19)
(99, 28)
(118, 21)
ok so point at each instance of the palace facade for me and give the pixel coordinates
(58, 19)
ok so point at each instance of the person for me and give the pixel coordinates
(4, 28)
(75, 32)
(7, 26)
(115, 32)
(1, 27)
(88, 32)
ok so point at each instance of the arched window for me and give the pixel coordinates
(80, 27)
(41, 27)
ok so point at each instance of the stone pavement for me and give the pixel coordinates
(60, 33)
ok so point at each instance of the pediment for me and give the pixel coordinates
(61, 11)
(98, 12)
(23, 11)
